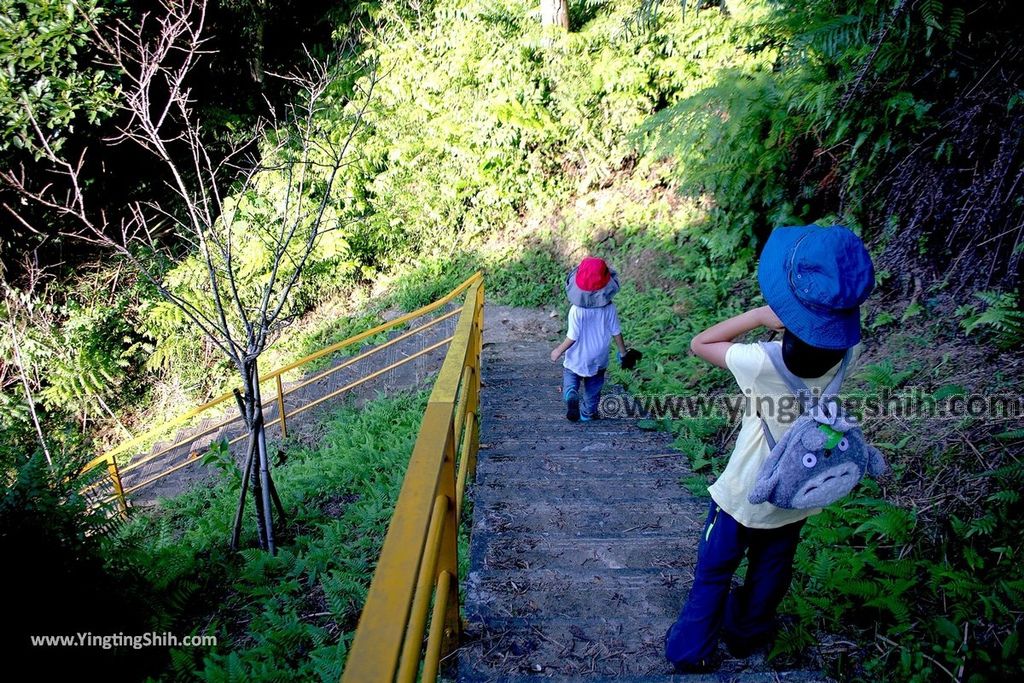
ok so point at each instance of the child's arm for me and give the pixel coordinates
(713, 343)
(561, 348)
(621, 344)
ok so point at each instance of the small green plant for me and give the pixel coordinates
(1002, 318)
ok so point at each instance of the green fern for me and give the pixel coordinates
(1002, 318)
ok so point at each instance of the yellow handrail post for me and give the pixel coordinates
(280, 407)
(473, 416)
(115, 477)
(448, 561)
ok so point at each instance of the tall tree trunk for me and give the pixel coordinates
(259, 18)
(555, 12)
(252, 414)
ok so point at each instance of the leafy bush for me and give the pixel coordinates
(43, 59)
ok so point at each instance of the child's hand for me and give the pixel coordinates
(555, 353)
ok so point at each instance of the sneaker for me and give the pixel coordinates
(741, 648)
(589, 418)
(702, 667)
(572, 400)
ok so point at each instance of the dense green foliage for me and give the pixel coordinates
(671, 146)
(289, 616)
(40, 62)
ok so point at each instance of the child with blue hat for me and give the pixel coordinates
(814, 280)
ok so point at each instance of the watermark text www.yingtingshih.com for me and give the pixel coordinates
(912, 403)
(134, 641)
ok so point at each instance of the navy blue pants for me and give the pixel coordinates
(744, 616)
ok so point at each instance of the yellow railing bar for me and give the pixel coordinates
(372, 375)
(460, 409)
(159, 429)
(280, 408)
(225, 422)
(466, 461)
(190, 459)
(401, 320)
(389, 636)
(115, 480)
(432, 659)
(194, 437)
(121, 448)
(370, 352)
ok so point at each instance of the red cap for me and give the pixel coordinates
(592, 274)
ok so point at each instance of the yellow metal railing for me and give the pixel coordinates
(419, 561)
(116, 474)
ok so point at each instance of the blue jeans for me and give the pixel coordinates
(590, 398)
(745, 615)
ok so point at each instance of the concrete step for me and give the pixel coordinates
(551, 419)
(609, 649)
(559, 462)
(499, 648)
(583, 540)
(570, 490)
(576, 594)
(593, 517)
(609, 435)
(540, 550)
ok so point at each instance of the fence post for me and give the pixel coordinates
(115, 476)
(280, 407)
(476, 349)
(448, 559)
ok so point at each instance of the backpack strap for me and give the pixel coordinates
(767, 433)
(799, 388)
(837, 382)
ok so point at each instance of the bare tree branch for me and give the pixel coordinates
(274, 188)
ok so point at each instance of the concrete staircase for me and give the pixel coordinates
(583, 541)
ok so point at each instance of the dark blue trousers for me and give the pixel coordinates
(745, 616)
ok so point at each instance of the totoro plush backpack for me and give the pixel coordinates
(822, 456)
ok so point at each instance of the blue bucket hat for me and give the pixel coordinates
(815, 279)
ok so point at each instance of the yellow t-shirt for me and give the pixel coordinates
(757, 378)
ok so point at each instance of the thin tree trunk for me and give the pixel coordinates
(277, 501)
(247, 470)
(257, 494)
(555, 12)
(115, 418)
(265, 482)
(28, 393)
(254, 420)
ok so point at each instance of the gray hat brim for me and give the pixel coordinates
(596, 299)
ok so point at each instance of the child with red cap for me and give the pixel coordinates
(593, 323)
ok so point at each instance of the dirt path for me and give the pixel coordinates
(306, 428)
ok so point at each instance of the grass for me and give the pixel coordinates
(290, 616)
